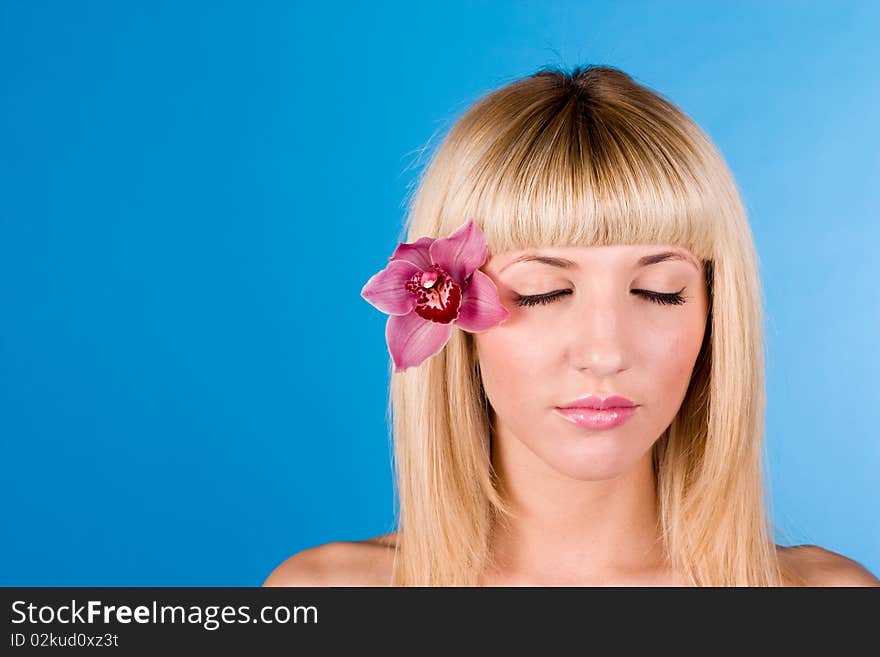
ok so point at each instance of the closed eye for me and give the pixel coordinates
(535, 299)
(662, 298)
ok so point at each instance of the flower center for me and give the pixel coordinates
(438, 296)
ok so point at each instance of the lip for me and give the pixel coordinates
(595, 403)
(590, 418)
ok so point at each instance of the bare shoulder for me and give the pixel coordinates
(340, 563)
(821, 567)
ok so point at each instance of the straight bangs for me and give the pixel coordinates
(563, 172)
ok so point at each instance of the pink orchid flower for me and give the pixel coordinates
(428, 286)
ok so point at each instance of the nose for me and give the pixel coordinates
(596, 337)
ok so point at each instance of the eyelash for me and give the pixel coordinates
(662, 298)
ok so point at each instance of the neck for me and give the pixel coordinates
(567, 530)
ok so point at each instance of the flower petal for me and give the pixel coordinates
(462, 252)
(412, 339)
(480, 308)
(386, 290)
(416, 252)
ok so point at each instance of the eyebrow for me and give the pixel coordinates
(564, 263)
(666, 255)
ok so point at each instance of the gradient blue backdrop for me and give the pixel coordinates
(193, 194)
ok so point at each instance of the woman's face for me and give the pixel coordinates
(598, 334)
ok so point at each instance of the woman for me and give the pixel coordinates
(578, 390)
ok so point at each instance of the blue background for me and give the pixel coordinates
(193, 194)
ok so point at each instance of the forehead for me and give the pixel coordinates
(585, 257)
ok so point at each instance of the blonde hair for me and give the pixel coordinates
(590, 158)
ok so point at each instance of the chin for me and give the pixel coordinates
(592, 474)
(591, 468)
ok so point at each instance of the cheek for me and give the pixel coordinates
(670, 357)
(511, 361)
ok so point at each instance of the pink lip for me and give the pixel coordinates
(614, 401)
(595, 413)
(589, 418)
